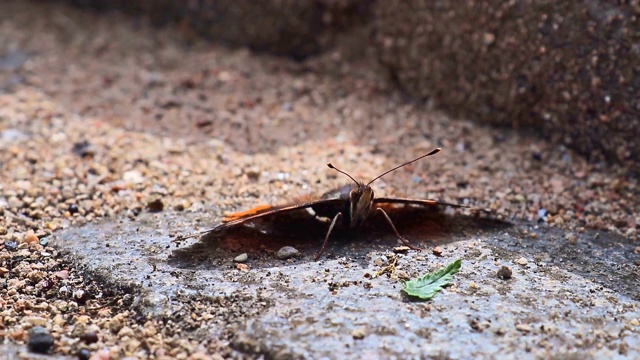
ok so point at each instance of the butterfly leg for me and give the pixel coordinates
(326, 238)
(404, 241)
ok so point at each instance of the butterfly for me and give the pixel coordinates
(349, 206)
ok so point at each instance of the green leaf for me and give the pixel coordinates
(428, 285)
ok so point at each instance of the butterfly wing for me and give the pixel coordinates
(422, 202)
(256, 210)
(264, 211)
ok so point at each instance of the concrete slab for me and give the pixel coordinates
(563, 300)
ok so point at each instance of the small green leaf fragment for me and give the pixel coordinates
(427, 286)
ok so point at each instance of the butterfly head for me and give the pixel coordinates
(360, 204)
(361, 196)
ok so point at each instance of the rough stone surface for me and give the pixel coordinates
(567, 69)
(291, 27)
(566, 298)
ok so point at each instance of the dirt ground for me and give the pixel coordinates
(101, 115)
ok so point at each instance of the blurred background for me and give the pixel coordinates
(566, 70)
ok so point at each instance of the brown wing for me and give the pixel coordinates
(423, 202)
(232, 220)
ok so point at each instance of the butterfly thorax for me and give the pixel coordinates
(339, 193)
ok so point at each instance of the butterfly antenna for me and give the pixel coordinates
(433, 152)
(330, 165)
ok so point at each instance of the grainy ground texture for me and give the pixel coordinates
(116, 137)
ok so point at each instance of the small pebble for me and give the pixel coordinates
(358, 333)
(62, 274)
(35, 320)
(401, 249)
(83, 149)
(542, 213)
(475, 325)
(31, 238)
(522, 261)
(132, 177)
(241, 258)
(90, 337)
(437, 251)
(11, 245)
(155, 205)
(253, 174)
(3, 270)
(287, 252)
(18, 334)
(242, 267)
(524, 328)
(80, 296)
(73, 208)
(39, 340)
(380, 261)
(101, 355)
(82, 319)
(505, 273)
(571, 238)
(84, 354)
(536, 155)
(15, 203)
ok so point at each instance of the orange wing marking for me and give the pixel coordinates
(253, 211)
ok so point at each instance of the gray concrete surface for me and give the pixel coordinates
(563, 301)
